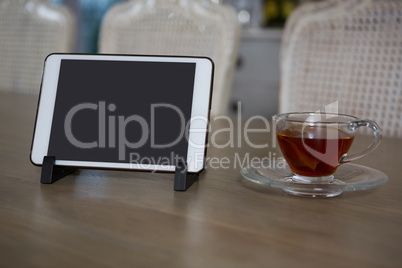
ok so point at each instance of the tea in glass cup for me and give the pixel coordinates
(315, 144)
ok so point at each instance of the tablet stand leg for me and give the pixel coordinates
(182, 179)
(51, 172)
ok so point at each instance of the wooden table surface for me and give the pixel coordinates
(101, 218)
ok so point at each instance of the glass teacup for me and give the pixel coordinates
(315, 145)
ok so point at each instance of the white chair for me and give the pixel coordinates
(305, 10)
(177, 27)
(29, 31)
(351, 55)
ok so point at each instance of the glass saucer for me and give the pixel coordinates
(348, 177)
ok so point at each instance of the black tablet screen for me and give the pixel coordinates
(122, 111)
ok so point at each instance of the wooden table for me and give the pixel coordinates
(133, 219)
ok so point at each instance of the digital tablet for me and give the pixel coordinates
(123, 111)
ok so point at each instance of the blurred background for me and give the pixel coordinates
(258, 60)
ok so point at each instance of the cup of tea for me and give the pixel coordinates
(315, 144)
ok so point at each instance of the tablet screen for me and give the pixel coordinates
(122, 111)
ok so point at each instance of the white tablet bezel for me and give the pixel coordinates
(199, 114)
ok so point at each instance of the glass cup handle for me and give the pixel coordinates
(377, 138)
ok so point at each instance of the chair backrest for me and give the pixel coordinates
(351, 55)
(29, 31)
(177, 27)
(306, 9)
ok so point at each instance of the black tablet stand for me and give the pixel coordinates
(52, 173)
(182, 179)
